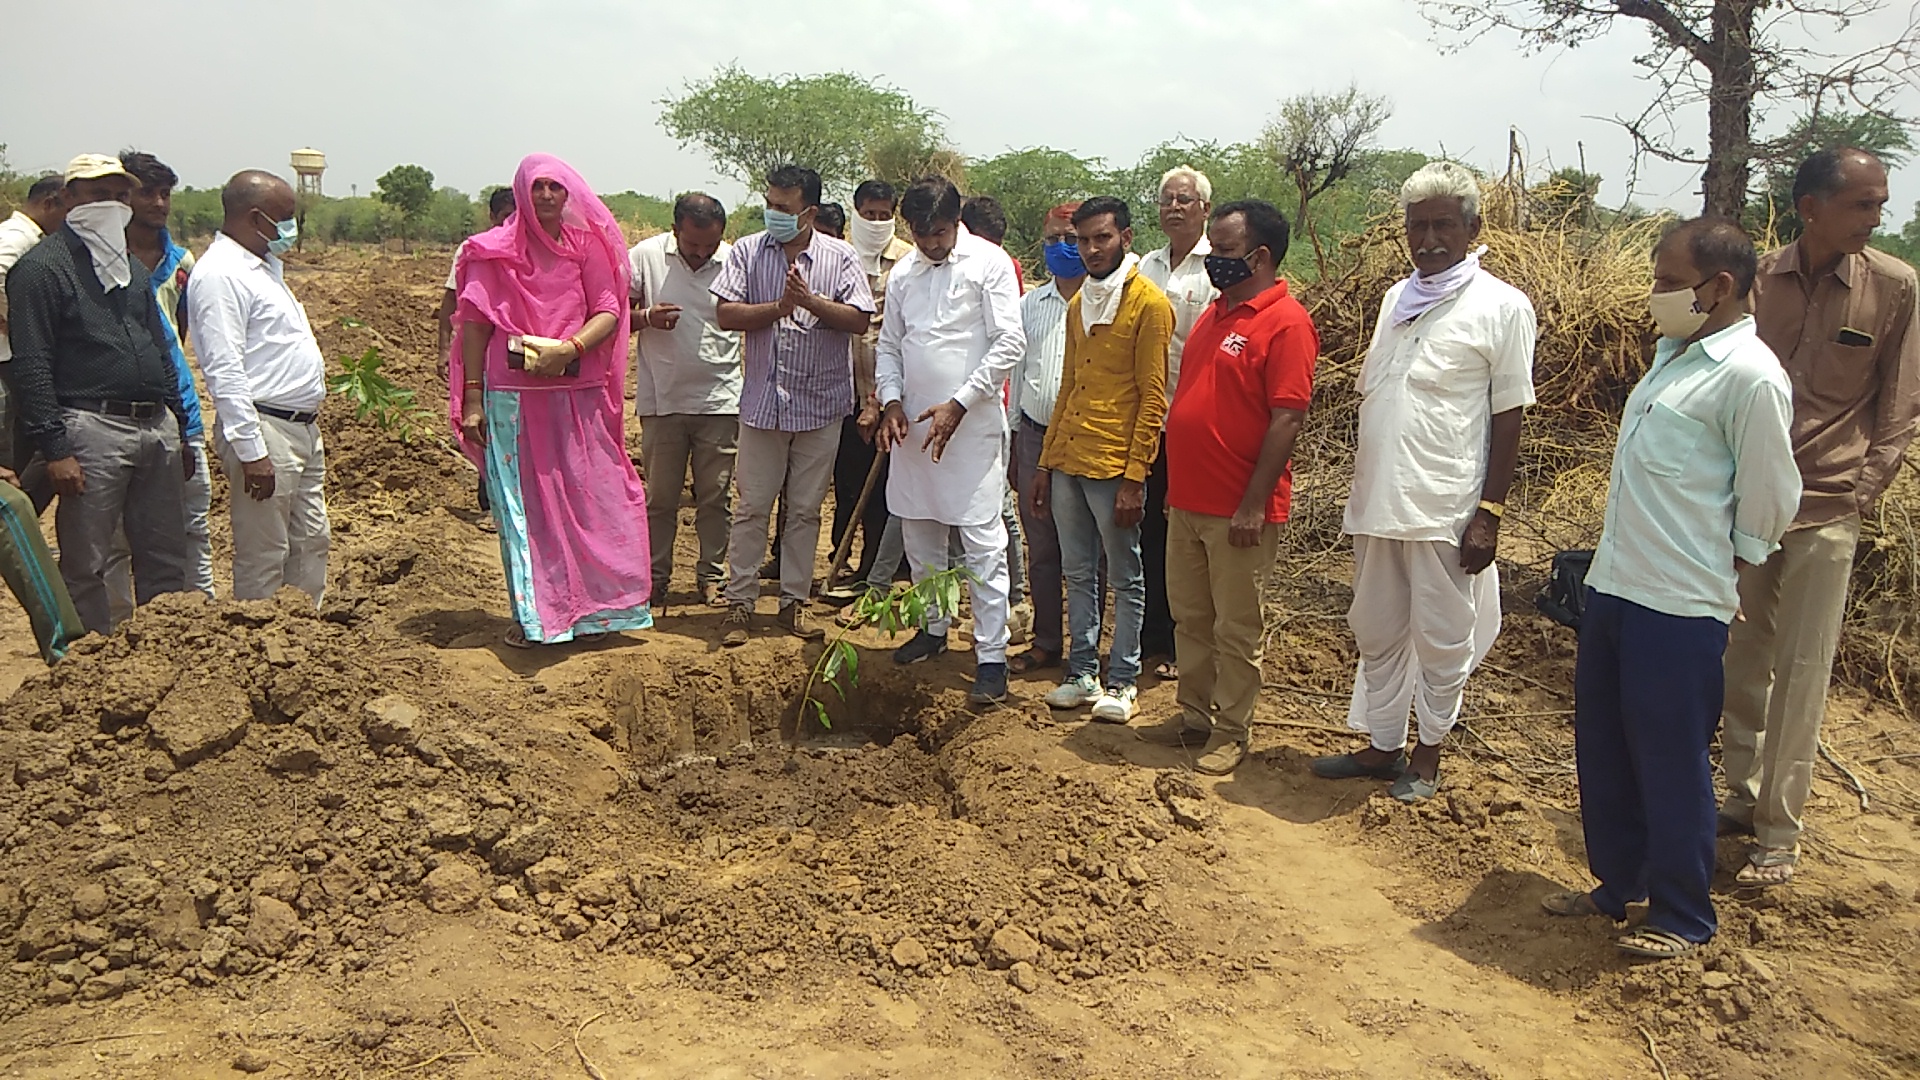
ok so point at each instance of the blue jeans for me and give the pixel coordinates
(1647, 693)
(1083, 516)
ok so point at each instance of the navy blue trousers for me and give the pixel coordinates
(1647, 692)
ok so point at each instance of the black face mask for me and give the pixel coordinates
(1226, 271)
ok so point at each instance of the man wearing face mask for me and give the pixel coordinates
(880, 248)
(801, 300)
(1034, 385)
(1230, 433)
(1840, 316)
(951, 334)
(1100, 445)
(99, 396)
(1704, 485)
(1442, 389)
(267, 378)
(1180, 269)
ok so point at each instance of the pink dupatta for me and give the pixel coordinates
(500, 282)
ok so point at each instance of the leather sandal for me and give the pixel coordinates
(1034, 659)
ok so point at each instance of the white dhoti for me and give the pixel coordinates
(984, 556)
(1422, 625)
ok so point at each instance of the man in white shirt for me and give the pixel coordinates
(1704, 485)
(686, 389)
(1442, 389)
(43, 212)
(1032, 390)
(266, 376)
(949, 339)
(1180, 269)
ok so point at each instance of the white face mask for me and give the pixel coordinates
(1677, 314)
(102, 226)
(870, 238)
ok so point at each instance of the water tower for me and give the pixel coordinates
(308, 165)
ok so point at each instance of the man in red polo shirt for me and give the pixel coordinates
(1246, 377)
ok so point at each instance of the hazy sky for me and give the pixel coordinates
(466, 87)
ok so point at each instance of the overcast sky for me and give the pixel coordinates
(466, 87)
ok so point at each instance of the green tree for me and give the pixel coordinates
(829, 123)
(1030, 182)
(409, 190)
(1885, 137)
(1567, 195)
(1317, 141)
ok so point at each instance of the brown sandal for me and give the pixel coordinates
(1031, 661)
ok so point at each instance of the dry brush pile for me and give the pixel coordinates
(1589, 284)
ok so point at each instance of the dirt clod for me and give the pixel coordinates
(453, 887)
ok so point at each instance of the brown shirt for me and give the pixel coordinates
(1848, 342)
(866, 346)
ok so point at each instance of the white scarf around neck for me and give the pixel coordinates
(1100, 297)
(1424, 292)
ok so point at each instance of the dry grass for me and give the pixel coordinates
(1589, 286)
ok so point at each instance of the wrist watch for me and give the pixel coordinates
(1498, 510)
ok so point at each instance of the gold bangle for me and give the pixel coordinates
(1498, 510)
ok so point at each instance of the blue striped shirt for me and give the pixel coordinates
(798, 373)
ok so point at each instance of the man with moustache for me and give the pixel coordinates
(1442, 390)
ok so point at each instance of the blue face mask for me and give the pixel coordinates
(785, 227)
(1063, 260)
(286, 234)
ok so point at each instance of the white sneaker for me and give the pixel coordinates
(1073, 693)
(1115, 705)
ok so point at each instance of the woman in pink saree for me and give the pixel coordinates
(538, 399)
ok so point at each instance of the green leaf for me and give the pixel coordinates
(820, 713)
(852, 664)
(831, 663)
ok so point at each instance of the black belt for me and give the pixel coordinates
(132, 410)
(1032, 423)
(286, 414)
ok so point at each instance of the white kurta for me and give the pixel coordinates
(951, 331)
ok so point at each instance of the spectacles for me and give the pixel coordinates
(1178, 200)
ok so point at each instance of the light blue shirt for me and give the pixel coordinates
(1036, 378)
(1703, 473)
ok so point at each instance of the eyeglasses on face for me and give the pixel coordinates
(1182, 199)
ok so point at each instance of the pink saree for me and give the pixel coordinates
(570, 509)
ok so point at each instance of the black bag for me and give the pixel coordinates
(1564, 599)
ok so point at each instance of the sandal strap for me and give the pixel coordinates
(1655, 942)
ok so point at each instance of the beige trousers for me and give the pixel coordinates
(282, 540)
(668, 446)
(1779, 661)
(1219, 630)
(801, 464)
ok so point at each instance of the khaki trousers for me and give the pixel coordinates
(1779, 662)
(1214, 590)
(669, 444)
(801, 464)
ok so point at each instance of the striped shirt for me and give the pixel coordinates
(1036, 378)
(799, 374)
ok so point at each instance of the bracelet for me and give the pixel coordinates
(579, 349)
(1498, 510)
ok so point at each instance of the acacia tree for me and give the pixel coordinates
(828, 123)
(1030, 182)
(1734, 56)
(1779, 159)
(1318, 140)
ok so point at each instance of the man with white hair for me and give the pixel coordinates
(1180, 269)
(1442, 389)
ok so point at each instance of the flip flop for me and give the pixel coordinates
(1573, 905)
(1167, 671)
(1769, 866)
(1653, 943)
(516, 638)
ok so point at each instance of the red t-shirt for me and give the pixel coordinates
(1239, 364)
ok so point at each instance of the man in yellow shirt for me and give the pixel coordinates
(1100, 445)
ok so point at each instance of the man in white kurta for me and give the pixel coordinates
(1442, 389)
(950, 337)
